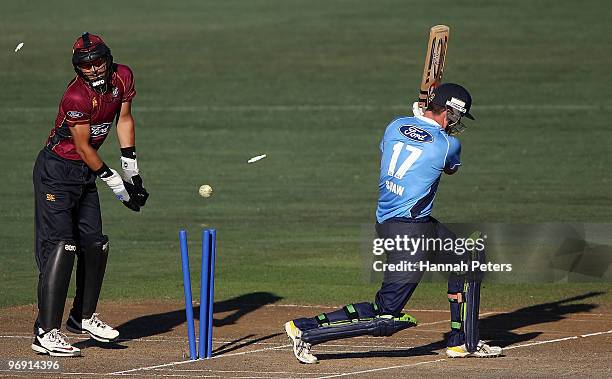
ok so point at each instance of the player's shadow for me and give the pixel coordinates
(160, 323)
(498, 328)
(241, 342)
(240, 306)
(386, 353)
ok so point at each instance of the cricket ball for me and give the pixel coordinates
(205, 190)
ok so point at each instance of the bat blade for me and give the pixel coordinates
(434, 62)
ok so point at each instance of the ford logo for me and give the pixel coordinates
(416, 133)
(74, 114)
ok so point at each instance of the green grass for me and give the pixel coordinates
(312, 84)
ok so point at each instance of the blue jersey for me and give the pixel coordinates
(415, 151)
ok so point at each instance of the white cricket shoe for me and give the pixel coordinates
(93, 326)
(54, 343)
(482, 351)
(301, 349)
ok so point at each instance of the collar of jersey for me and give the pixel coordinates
(428, 120)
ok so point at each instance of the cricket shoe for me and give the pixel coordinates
(54, 343)
(482, 351)
(301, 349)
(93, 326)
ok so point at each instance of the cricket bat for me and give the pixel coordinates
(434, 62)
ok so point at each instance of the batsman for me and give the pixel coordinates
(415, 152)
(68, 222)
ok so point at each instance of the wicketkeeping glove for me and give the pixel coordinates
(115, 183)
(133, 181)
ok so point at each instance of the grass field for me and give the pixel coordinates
(312, 84)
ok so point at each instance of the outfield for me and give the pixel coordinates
(311, 84)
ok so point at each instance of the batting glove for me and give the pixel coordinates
(133, 181)
(115, 183)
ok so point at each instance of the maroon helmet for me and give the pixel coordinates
(91, 53)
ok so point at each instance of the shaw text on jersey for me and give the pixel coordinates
(395, 188)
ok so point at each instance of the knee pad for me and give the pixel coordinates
(379, 326)
(348, 313)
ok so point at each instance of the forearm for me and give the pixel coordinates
(129, 164)
(90, 156)
(125, 131)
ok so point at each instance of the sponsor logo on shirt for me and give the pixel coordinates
(74, 114)
(416, 134)
(100, 130)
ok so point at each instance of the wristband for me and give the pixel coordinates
(129, 152)
(104, 171)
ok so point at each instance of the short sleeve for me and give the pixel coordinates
(453, 157)
(76, 108)
(127, 79)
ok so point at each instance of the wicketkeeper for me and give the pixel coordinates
(67, 218)
(415, 152)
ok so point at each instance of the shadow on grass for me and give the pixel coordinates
(498, 328)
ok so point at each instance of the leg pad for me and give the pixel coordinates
(91, 266)
(53, 284)
(379, 326)
(470, 316)
(348, 313)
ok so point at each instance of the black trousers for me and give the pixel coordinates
(67, 208)
(398, 287)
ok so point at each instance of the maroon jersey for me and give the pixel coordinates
(82, 105)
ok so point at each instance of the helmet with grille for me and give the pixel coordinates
(92, 61)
